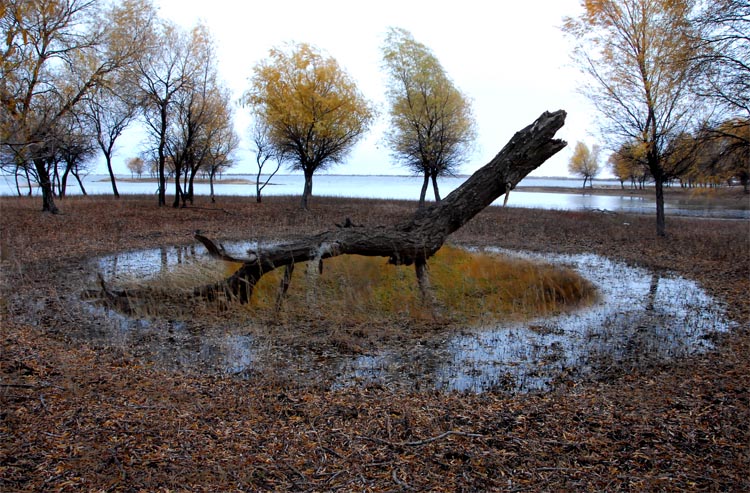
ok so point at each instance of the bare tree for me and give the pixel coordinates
(169, 69)
(264, 152)
(639, 56)
(202, 124)
(723, 52)
(110, 110)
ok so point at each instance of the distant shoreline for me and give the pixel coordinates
(727, 197)
(222, 181)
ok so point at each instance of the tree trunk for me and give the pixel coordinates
(56, 184)
(18, 185)
(177, 187)
(80, 183)
(48, 195)
(423, 193)
(211, 185)
(305, 204)
(64, 182)
(415, 240)
(661, 227)
(108, 158)
(161, 155)
(435, 190)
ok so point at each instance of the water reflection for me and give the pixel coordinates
(640, 318)
(144, 264)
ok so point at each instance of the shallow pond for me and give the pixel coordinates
(640, 318)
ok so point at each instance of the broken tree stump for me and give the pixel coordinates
(410, 242)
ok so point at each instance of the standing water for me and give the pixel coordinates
(640, 318)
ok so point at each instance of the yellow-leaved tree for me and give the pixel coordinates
(624, 164)
(585, 162)
(432, 125)
(311, 108)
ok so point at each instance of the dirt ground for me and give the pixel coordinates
(78, 417)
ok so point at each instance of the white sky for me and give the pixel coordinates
(510, 58)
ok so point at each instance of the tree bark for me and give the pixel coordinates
(307, 191)
(48, 194)
(423, 192)
(415, 240)
(661, 226)
(112, 180)
(435, 186)
(161, 155)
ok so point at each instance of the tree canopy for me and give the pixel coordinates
(723, 38)
(56, 52)
(585, 162)
(311, 108)
(432, 125)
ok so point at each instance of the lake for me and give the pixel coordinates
(408, 188)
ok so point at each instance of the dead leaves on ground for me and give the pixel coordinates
(82, 419)
(87, 420)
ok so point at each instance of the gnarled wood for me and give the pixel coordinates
(414, 240)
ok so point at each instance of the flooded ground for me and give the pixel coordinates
(640, 318)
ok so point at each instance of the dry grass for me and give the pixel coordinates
(468, 288)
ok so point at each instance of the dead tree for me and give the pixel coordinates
(413, 241)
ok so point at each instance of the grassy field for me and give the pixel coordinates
(78, 417)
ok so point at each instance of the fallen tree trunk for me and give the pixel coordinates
(415, 240)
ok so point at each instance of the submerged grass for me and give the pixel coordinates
(467, 287)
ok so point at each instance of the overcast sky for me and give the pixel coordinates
(510, 58)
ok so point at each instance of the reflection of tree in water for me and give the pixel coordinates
(652, 289)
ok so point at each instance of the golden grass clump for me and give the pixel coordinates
(468, 287)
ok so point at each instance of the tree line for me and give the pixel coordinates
(712, 157)
(668, 80)
(76, 73)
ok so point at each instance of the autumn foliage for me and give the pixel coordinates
(310, 107)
